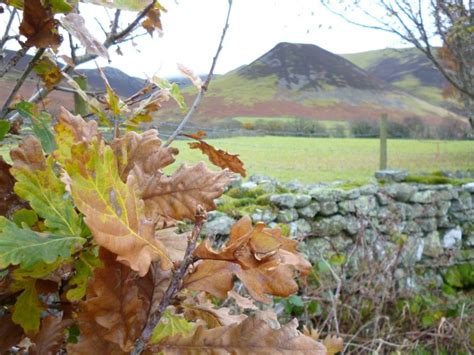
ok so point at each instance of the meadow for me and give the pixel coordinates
(326, 159)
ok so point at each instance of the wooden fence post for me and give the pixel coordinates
(80, 106)
(383, 141)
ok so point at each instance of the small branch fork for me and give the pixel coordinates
(204, 87)
(175, 284)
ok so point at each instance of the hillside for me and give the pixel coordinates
(407, 69)
(303, 80)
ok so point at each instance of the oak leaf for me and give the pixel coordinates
(152, 22)
(241, 301)
(113, 210)
(40, 124)
(39, 26)
(333, 344)
(128, 5)
(9, 200)
(117, 306)
(217, 157)
(188, 73)
(170, 324)
(260, 257)
(50, 337)
(28, 308)
(10, 334)
(177, 196)
(213, 317)
(253, 336)
(48, 71)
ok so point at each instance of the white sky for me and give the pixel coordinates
(192, 29)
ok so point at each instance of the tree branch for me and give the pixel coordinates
(6, 35)
(204, 87)
(175, 284)
(14, 60)
(20, 81)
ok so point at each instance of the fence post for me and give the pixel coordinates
(383, 141)
(80, 106)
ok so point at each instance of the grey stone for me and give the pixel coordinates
(328, 208)
(469, 187)
(351, 194)
(411, 227)
(265, 215)
(415, 211)
(413, 250)
(469, 240)
(352, 225)
(294, 186)
(258, 179)
(433, 245)
(324, 195)
(284, 200)
(462, 203)
(248, 185)
(382, 199)
(427, 196)
(367, 190)
(218, 226)
(391, 175)
(212, 215)
(302, 226)
(445, 222)
(236, 181)
(400, 192)
(346, 207)
(452, 238)
(443, 208)
(287, 216)
(302, 200)
(427, 224)
(309, 211)
(446, 195)
(267, 187)
(384, 213)
(428, 211)
(329, 226)
(367, 205)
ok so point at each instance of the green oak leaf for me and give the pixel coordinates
(40, 123)
(28, 308)
(170, 324)
(85, 266)
(25, 216)
(38, 184)
(59, 6)
(25, 247)
(173, 89)
(128, 5)
(4, 128)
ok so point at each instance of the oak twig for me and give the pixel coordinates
(6, 35)
(20, 81)
(204, 87)
(14, 60)
(175, 285)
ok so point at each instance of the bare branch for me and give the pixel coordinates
(204, 87)
(14, 60)
(20, 81)
(6, 35)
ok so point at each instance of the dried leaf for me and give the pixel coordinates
(333, 344)
(177, 196)
(38, 184)
(260, 257)
(39, 26)
(143, 113)
(113, 211)
(188, 73)
(10, 334)
(242, 302)
(170, 324)
(50, 338)
(9, 200)
(213, 317)
(218, 157)
(175, 243)
(253, 336)
(116, 306)
(153, 20)
(75, 25)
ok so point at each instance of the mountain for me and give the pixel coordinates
(407, 69)
(304, 80)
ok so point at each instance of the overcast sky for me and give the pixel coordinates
(192, 30)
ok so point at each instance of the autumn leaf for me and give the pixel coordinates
(28, 308)
(333, 344)
(143, 112)
(217, 157)
(242, 302)
(48, 71)
(39, 26)
(260, 257)
(116, 106)
(172, 89)
(117, 305)
(4, 129)
(177, 196)
(50, 337)
(40, 124)
(253, 336)
(10, 333)
(10, 201)
(75, 25)
(213, 317)
(25, 247)
(84, 268)
(152, 22)
(38, 184)
(113, 211)
(170, 324)
(188, 73)
(175, 243)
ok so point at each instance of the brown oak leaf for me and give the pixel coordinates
(260, 257)
(39, 26)
(9, 200)
(213, 317)
(10, 333)
(217, 157)
(117, 306)
(50, 337)
(253, 336)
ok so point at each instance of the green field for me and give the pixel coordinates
(326, 159)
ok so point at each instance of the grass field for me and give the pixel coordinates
(326, 159)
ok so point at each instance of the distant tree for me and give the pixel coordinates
(339, 131)
(364, 129)
(424, 24)
(416, 127)
(398, 130)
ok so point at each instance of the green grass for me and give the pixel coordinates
(327, 159)
(284, 119)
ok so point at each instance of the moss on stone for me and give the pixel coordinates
(350, 185)
(434, 179)
(237, 192)
(285, 229)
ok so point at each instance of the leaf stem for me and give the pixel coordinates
(175, 284)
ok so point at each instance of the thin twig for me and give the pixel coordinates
(175, 284)
(6, 35)
(20, 81)
(14, 60)
(205, 86)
